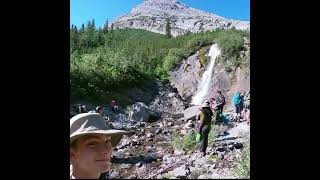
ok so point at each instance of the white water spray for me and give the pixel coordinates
(204, 85)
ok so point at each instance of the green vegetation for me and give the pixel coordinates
(242, 163)
(105, 61)
(188, 142)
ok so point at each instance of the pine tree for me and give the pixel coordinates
(81, 29)
(105, 28)
(111, 28)
(93, 25)
(168, 28)
(76, 29)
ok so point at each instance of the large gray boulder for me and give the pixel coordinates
(139, 113)
(191, 113)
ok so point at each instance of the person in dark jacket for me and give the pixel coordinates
(204, 117)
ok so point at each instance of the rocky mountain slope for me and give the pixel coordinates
(151, 15)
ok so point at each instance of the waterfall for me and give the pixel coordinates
(204, 85)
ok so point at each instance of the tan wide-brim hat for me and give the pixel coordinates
(204, 105)
(93, 123)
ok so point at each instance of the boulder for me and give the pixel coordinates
(180, 172)
(191, 113)
(139, 113)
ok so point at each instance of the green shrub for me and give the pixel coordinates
(186, 143)
(212, 135)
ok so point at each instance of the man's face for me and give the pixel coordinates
(92, 153)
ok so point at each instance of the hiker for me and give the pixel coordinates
(204, 118)
(221, 101)
(91, 143)
(215, 110)
(237, 104)
(114, 106)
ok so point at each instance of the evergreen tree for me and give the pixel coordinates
(111, 28)
(81, 29)
(105, 28)
(93, 25)
(168, 28)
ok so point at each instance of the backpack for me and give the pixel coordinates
(236, 99)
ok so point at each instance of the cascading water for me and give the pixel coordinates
(204, 85)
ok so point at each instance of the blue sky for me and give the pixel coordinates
(81, 11)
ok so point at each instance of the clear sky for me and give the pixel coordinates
(81, 11)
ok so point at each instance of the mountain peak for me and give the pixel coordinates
(151, 14)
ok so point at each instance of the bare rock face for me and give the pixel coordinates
(151, 15)
(186, 76)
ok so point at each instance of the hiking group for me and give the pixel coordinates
(92, 135)
(211, 112)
